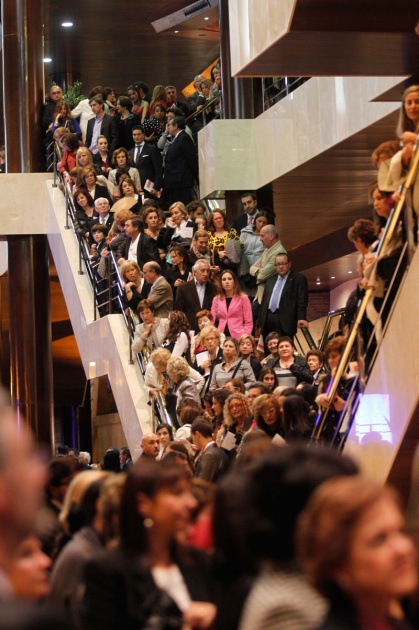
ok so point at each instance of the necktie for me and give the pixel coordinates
(137, 152)
(250, 220)
(274, 303)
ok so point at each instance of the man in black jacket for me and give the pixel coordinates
(181, 164)
(147, 159)
(101, 124)
(211, 463)
(284, 302)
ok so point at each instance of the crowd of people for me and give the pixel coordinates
(223, 299)
(282, 537)
(227, 519)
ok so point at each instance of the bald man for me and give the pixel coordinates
(150, 445)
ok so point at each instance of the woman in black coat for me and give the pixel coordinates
(151, 580)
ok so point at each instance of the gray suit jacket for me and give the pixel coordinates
(264, 268)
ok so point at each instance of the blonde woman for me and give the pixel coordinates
(156, 368)
(178, 372)
(179, 228)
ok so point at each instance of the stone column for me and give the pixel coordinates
(29, 302)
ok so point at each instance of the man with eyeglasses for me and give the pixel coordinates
(55, 96)
(284, 303)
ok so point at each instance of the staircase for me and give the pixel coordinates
(103, 344)
(385, 431)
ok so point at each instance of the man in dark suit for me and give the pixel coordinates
(181, 164)
(102, 214)
(197, 294)
(147, 159)
(173, 102)
(101, 124)
(138, 246)
(211, 463)
(284, 302)
(250, 207)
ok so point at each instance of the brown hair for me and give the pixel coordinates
(363, 229)
(335, 345)
(325, 528)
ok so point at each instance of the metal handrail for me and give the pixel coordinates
(309, 339)
(214, 100)
(389, 233)
(327, 326)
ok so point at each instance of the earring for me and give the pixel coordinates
(148, 523)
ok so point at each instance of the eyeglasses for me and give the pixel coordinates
(55, 93)
(236, 406)
(281, 264)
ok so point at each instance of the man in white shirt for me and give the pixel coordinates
(102, 209)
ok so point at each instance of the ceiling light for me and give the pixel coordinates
(176, 31)
(318, 282)
(47, 59)
(206, 18)
(67, 24)
(349, 271)
(332, 277)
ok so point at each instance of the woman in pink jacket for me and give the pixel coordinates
(231, 308)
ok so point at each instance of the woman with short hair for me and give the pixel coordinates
(152, 331)
(184, 387)
(179, 228)
(126, 119)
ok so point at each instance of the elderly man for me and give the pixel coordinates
(102, 214)
(264, 268)
(54, 97)
(150, 445)
(161, 294)
(197, 294)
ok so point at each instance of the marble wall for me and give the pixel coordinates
(254, 26)
(247, 154)
(392, 392)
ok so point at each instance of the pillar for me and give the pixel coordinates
(29, 303)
